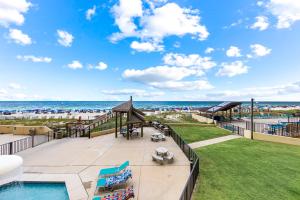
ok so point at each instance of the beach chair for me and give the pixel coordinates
(122, 194)
(113, 170)
(123, 132)
(170, 157)
(112, 181)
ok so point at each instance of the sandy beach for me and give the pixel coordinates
(74, 115)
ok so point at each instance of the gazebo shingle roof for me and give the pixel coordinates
(223, 106)
(135, 118)
(124, 107)
(136, 115)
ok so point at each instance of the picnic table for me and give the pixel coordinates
(162, 155)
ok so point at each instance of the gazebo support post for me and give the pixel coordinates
(127, 135)
(116, 131)
(230, 115)
(142, 131)
(121, 121)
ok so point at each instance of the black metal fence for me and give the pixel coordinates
(290, 129)
(194, 164)
(23, 144)
(231, 127)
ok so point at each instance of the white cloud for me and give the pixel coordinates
(100, 66)
(158, 74)
(156, 3)
(3, 91)
(262, 23)
(260, 50)
(133, 92)
(146, 46)
(12, 96)
(209, 50)
(233, 52)
(287, 12)
(260, 3)
(75, 65)
(171, 19)
(124, 12)
(232, 69)
(170, 76)
(193, 61)
(34, 58)
(280, 92)
(183, 85)
(156, 23)
(19, 37)
(64, 38)
(14, 86)
(90, 13)
(12, 11)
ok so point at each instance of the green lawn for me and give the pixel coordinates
(193, 133)
(245, 169)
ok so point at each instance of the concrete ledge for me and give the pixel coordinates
(105, 132)
(24, 130)
(272, 138)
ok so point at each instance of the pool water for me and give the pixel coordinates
(34, 191)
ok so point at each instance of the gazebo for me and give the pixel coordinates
(133, 115)
(223, 107)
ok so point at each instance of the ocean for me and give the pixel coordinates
(105, 105)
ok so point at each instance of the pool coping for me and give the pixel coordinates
(74, 186)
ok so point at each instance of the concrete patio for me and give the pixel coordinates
(77, 162)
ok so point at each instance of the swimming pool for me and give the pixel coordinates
(34, 191)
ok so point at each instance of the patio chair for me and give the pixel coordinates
(154, 138)
(123, 132)
(122, 194)
(170, 157)
(134, 133)
(162, 137)
(113, 170)
(157, 158)
(110, 182)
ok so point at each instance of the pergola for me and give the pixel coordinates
(223, 107)
(133, 115)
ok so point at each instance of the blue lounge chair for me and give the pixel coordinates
(117, 194)
(113, 170)
(109, 182)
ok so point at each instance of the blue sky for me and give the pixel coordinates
(151, 49)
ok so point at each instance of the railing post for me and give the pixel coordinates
(252, 121)
(32, 140)
(10, 148)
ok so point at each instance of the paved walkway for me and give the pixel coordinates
(213, 141)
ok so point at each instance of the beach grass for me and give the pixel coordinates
(33, 122)
(244, 169)
(174, 117)
(198, 132)
(111, 123)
